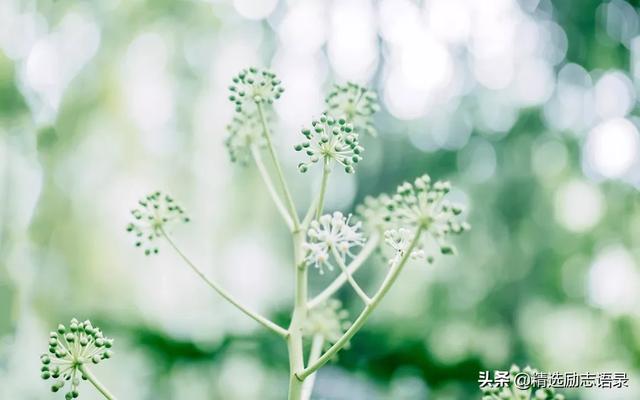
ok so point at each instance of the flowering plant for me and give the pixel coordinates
(414, 223)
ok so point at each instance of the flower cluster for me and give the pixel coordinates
(331, 232)
(245, 130)
(330, 139)
(511, 392)
(422, 204)
(328, 320)
(374, 214)
(70, 348)
(355, 104)
(156, 211)
(253, 86)
(399, 240)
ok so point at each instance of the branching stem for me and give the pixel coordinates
(389, 280)
(314, 354)
(272, 190)
(287, 195)
(267, 323)
(326, 170)
(355, 264)
(350, 279)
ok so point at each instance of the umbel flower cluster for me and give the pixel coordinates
(329, 140)
(332, 234)
(415, 206)
(155, 212)
(512, 392)
(244, 133)
(70, 350)
(419, 205)
(411, 223)
(329, 320)
(253, 86)
(355, 104)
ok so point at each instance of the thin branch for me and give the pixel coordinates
(276, 163)
(310, 214)
(355, 264)
(96, 383)
(350, 279)
(316, 206)
(323, 187)
(389, 280)
(272, 191)
(314, 354)
(267, 323)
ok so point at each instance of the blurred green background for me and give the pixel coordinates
(528, 107)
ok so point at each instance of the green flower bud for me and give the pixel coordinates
(156, 213)
(353, 105)
(253, 86)
(331, 140)
(67, 354)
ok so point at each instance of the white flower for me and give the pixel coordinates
(399, 240)
(331, 232)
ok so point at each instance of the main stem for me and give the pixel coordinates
(294, 340)
(96, 383)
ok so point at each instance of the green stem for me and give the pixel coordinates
(314, 354)
(389, 280)
(350, 279)
(227, 296)
(355, 264)
(276, 163)
(323, 187)
(294, 340)
(270, 188)
(96, 383)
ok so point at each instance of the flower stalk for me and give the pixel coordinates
(356, 263)
(272, 326)
(279, 174)
(270, 188)
(389, 280)
(96, 383)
